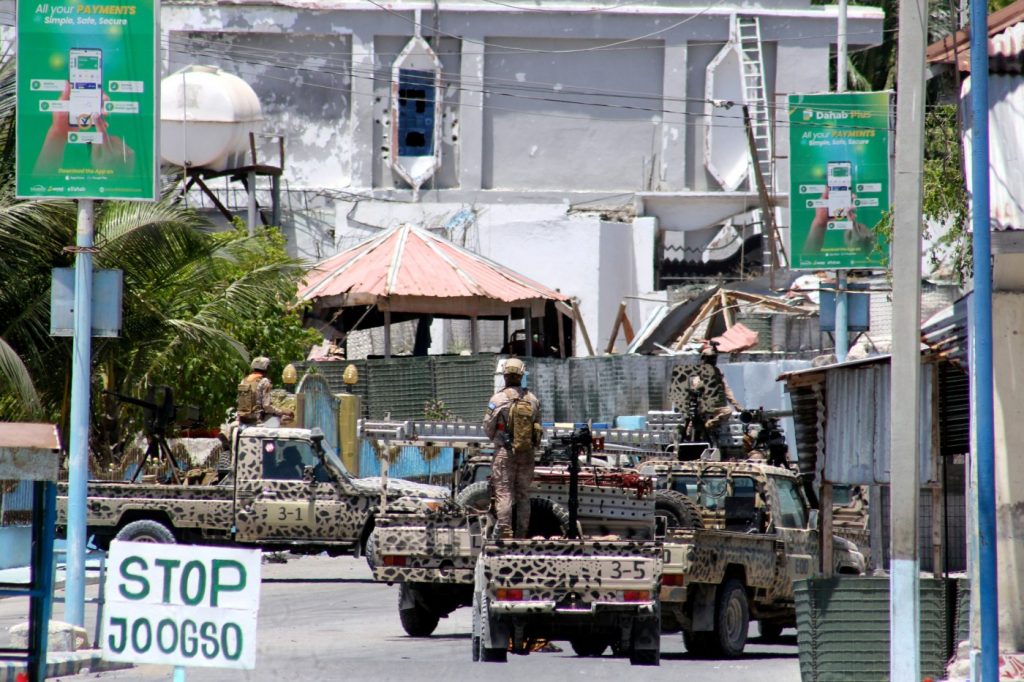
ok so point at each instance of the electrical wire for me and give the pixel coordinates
(349, 67)
(517, 93)
(588, 49)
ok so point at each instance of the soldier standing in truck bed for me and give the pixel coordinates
(512, 422)
(254, 405)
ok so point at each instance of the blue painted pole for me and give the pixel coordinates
(842, 318)
(81, 373)
(981, 334)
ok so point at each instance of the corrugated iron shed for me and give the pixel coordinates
(843, 412)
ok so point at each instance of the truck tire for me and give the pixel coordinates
(547, 518)
(370, 549)
(732, 618)
(679, 510)
(475, 498)
(417, 621)
(589, 646)
(146, 530)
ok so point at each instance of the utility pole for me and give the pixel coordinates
(78, 452)
(981, 352)
(905, 396)
(842, 310)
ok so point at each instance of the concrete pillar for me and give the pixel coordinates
(471, 117)
(362, 152)
(671, 173)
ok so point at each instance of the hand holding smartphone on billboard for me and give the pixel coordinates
(85, 77)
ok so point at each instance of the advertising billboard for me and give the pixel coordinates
(839, 179)
(87, 100)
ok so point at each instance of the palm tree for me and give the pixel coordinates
(186, 288)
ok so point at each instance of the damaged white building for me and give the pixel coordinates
(588, 145)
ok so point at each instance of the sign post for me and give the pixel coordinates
(181, 605)
(86, 129)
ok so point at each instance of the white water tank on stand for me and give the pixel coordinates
(206, 115)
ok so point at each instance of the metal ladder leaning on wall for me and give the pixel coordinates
(748, 35)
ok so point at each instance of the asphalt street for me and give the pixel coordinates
(325, 619)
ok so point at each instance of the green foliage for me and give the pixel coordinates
(435, 409)
(197, 303)
(944, 196)
(945, 192)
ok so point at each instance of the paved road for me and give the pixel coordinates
(324, 619)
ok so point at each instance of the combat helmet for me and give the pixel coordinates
(260, 364)
(515, 367)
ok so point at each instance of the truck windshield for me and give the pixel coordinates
(792, 510)
(285, 460)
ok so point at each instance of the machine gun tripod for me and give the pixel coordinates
(158, 415)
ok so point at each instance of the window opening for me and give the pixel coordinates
(416, 98)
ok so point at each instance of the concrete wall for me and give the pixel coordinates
(1008, 388)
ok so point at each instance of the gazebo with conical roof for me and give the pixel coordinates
(408, 272)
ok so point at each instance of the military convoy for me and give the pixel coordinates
(276, 488)
(689, 541)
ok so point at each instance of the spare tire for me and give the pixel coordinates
(548, 519)
(475, 498)
(678, 509)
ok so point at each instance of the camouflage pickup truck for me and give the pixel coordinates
(276, 488)
(431, 552)
(592, 593)
(755, 535)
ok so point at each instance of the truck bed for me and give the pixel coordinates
(426, 548)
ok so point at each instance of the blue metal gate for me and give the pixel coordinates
(318, 408)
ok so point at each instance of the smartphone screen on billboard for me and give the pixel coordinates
(86, 78)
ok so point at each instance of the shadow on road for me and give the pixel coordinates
(687, 656)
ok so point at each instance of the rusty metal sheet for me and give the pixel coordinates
(407, 267)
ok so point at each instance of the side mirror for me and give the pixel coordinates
(812, 520)
(307, 474)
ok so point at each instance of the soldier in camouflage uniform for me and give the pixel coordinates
(709, 356)
(256, 408)
(511, 473)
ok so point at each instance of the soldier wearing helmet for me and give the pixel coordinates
(254, 404)
(709, 356)
(512, 470)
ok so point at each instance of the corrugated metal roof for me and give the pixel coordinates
(407, 267)
(1005, 45)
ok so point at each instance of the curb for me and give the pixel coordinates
(65, 663)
